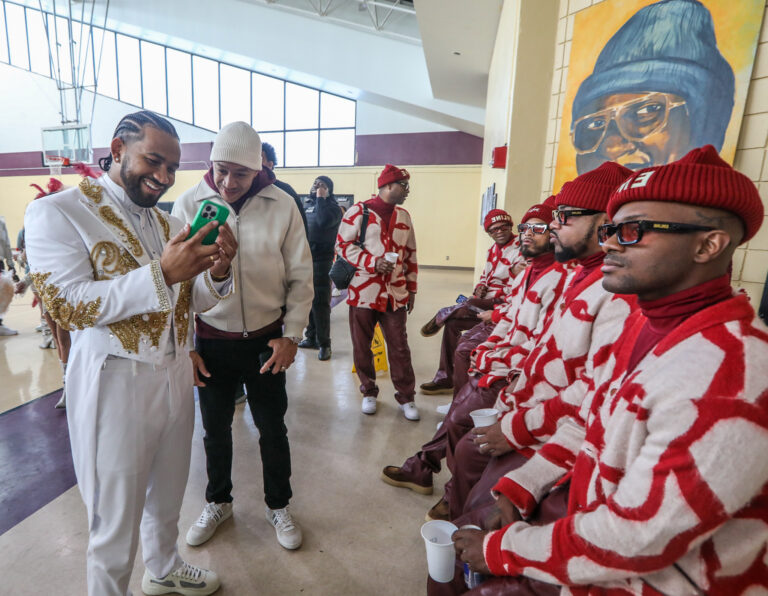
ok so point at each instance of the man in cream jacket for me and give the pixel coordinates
(253, 335)
(122, 277)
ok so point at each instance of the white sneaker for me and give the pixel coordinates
(7, 330)
(287, 530)
(410, 410)
(47, 342)
(62, 403)
(187, 580)
(443, 410)
(206, 524)
(369, 404)
(41, 326)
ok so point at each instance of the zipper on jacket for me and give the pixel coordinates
(240, 276)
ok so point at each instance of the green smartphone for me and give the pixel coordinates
(208, 212)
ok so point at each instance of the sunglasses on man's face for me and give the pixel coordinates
(404, 184)
(631, 232)
(563, 216)
(499, 228)
(534, 228)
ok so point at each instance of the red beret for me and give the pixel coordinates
(700, 178)
(542, 211)
(592, 189)
(496, 216)
(391, 174)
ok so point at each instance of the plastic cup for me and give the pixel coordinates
(390, 257)
(484, 416)
(441, 557)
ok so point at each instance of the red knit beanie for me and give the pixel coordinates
(391, 174)
(550, 202)
(700, 178)
(496, 216)
(592, 189)
(541, 211)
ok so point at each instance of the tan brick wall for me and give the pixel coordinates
(750, 263)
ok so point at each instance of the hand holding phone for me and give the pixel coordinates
(208, 212)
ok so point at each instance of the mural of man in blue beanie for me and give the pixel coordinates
(660, 87)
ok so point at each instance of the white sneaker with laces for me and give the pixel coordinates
(287, 530)
(443, 410)
(187, 580)
(369, 404)
(7, 330)
(410, 410)
(209, 520)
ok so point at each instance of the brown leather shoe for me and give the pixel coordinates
(431, 328)
(433, 388)
(394, 475)
(441, 511)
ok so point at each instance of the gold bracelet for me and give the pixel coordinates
(222, 278)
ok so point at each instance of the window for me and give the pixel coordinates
(306, 126)
(205, 80)
(153, 77)
(179, 72)
(301, 149)
(129, 70)
(17, 35)
(39, 60)
(104, 41)
(268, 102)
(301, 107)
(235, 94)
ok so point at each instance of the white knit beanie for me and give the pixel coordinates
(238, 143)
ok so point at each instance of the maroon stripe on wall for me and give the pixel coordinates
(420, 149)
(194, 156)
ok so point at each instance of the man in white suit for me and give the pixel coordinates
(121, 275)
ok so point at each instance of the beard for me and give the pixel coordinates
(576, 251)
(529, 252)
(134, 188)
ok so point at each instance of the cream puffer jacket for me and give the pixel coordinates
(273, 266)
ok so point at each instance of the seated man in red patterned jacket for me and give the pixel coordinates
(503, 263)
(666, 455)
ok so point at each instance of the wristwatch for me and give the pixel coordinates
(295, 340)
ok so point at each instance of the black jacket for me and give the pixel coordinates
(323, 219)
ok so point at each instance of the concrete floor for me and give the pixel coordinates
(361, 536)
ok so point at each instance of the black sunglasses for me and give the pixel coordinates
(562, 216)
(631, 232)
(535, 228)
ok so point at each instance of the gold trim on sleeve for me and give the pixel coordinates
(212, 290)
(160, 287)
(70, 317)
(181, 312)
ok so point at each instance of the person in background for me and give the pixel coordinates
(6, 259)
(323, 217)
(269, 161)
(382, 291)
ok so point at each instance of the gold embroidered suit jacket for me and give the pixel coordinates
(96, 279)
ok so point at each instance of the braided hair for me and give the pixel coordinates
(131, 128)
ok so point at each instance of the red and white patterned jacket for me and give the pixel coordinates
(369, 289)
(669, 487)
(586, 323)
(521, 323)
(499, 263)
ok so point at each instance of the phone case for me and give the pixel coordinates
(207, 212)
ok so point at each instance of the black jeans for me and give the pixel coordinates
(231, 362)
(319, 328)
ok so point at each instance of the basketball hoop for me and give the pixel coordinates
(55, 163)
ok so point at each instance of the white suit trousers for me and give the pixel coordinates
(130, 426)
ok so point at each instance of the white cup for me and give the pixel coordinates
(441, 557)
(484, 416)
(390, 257)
